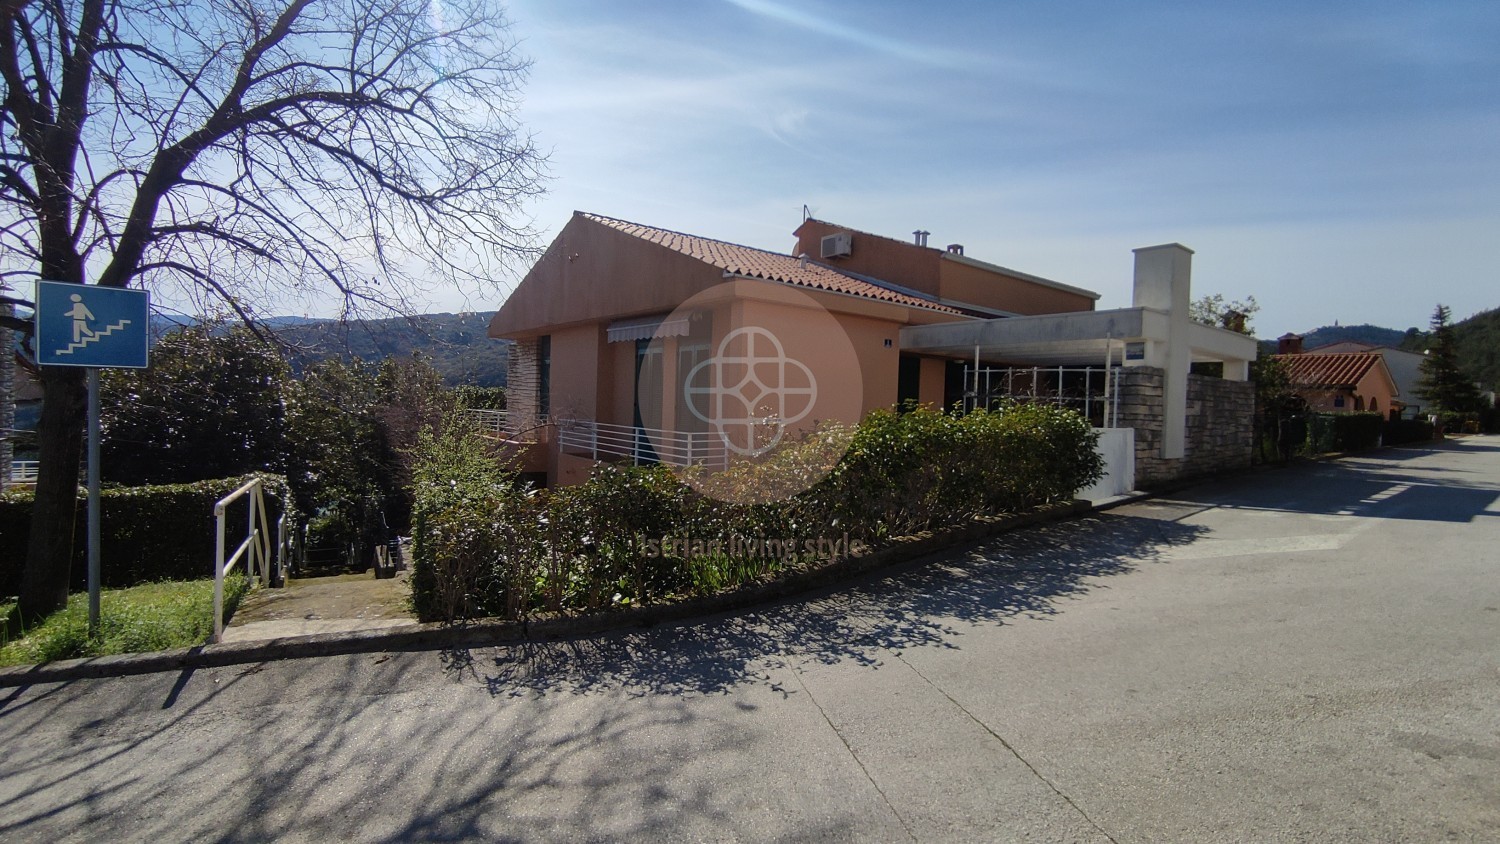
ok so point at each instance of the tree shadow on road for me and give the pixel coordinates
(522, 742)
(921, 604)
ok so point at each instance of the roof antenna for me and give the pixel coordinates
(806, 213)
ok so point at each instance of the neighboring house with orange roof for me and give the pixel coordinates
(1343, 382)
(637, 341)
(1405, 368)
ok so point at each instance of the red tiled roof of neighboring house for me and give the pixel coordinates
(750, 262)
(1338, 370)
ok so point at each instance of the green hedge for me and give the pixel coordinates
(148, 533)
(483, 545)
(1343, 431)
(1398, 431)
(471, 397)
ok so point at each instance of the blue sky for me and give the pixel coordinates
(1339, 161)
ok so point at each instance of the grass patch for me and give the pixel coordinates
(150, 617)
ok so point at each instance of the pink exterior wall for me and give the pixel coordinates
(1375, 386)
(593, 275)
(881, 257)
(578, 391)
(931, 383)
(972, 285)
(926, 269)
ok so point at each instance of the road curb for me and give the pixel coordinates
(480, 633)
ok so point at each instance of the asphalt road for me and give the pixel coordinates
(1308, 654)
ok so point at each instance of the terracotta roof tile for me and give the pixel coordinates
(758, 263)
(1339, 370)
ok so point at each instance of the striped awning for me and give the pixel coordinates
(644, 328)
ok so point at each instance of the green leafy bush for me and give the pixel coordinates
(485, 545)
(148, 533)
(1477, 422)
(476, 533)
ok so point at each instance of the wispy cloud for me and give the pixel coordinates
(938, 57)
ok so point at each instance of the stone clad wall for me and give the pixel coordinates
(522, 373)
(1220, 421)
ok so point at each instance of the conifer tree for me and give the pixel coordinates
(1444, 386)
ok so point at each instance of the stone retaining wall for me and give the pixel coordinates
(1220, 423)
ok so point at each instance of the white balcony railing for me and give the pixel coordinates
(23, 471)
(601, 441)
(487, 421)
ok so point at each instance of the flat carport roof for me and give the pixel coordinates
(1072, 339)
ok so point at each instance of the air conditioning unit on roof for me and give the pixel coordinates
(837, 245)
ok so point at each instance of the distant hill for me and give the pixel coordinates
(1478, 340)
(1372, 334)
(458, 344)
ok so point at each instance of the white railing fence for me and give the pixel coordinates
(487, 421)
(23, 471)
(255, 549)
(601, 441)
(1092, 391)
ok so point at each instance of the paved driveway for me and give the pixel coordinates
(1301, 654)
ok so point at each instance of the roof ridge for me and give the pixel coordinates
(595, 216)
(754, 262)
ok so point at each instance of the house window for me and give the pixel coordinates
(1338, 401)
(544, 375)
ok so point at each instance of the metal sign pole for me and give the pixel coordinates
(93, 502)
(89, 326)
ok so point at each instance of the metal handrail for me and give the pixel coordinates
(487, 421)
(600, 440)
(256, 547)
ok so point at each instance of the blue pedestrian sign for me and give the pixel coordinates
(88, 325)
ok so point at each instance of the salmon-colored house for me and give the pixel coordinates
(1344, 382)
(639, 343)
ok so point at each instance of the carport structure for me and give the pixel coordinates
(1157, 331)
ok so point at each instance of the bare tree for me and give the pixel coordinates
(248, 152)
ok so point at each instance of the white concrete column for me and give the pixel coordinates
(1163, 281)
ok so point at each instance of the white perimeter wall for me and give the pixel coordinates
(1117, 447)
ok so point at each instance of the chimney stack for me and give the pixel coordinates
(956, 248)
(919, 237)
(1289, 344)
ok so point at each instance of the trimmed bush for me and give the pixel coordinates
(148, 533)
(471, 397)
(484, 545)
(1343, 431)
(1398, 431)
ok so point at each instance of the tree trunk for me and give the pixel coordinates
(49, 556)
